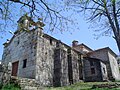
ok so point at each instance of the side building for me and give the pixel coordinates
(108, 57)
(94, 70)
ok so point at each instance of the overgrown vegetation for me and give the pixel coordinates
(10, 86)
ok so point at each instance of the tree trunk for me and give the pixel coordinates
(118, 42)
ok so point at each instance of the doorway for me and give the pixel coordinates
(15, 68)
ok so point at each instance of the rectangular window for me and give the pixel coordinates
(104, 70)
(24, 63)
(50, 41)
(92, 70)
(57, 44)
(91, 63)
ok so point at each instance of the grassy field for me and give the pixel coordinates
(77, 86)
(10, 87)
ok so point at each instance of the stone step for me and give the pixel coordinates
(32, 88)
(27, 84)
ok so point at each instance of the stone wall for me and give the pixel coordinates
(104, 71)
(45, 60)
(22, 46)
(97, 74)
(75, 65)
(26, 83)
(60, 68)
(70, 70)
(103, 55)
(114, 66)
(5, 73)
(52, 62)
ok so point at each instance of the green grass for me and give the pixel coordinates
(77, 86)
(10, 87)
(83, 86)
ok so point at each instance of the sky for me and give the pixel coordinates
(83, 35)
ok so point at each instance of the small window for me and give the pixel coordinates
(17, 42)
(50, 41)
(57, 44)
(104, 70)
(24, 63)
(92, 70)
(91, 63)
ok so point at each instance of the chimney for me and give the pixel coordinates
(74, 43)
(81, 48)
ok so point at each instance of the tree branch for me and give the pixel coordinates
(115, 17)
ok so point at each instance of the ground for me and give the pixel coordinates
(84, 86)
(77, 86)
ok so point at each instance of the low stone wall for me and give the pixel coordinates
(110, 86)
(5, 73)
(26, 84)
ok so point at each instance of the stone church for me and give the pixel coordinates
(36, 55)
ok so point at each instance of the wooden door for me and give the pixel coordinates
(15, 68)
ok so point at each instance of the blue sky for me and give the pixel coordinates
(83, 35)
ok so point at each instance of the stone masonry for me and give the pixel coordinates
(108, 57)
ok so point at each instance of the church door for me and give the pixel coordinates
(15, 68)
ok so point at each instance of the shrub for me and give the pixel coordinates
(11, 86)
(1, 85)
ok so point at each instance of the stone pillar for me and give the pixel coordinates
(60, 67)
(57, 68)
(70, 72)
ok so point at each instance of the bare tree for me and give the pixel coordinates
(104, 15)
(50, 11)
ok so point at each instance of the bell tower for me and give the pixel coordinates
(24, 22)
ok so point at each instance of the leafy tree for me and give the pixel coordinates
(49, 11)
(104, 15)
